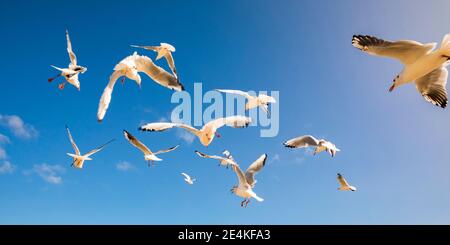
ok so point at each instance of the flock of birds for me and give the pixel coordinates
(424, 65)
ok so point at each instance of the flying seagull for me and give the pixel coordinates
(422, 63)
(130, 68)
(308, 140)
(261, 100)
(78, 159)
(164, 50)
(207, 132)
(70, 73)
(148, 155)
(247, 180)
(344, 185)
(188, 179)
(223, 161)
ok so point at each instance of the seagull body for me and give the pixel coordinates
(148, 155)
(247, 180)
(207, 132)
(223, 161)
(422, 63)
(130, 68)
(308, 140)
(165, 50)
(344, 185)
(188, 179)
(78, 159)
(261, 100)
(70, 73)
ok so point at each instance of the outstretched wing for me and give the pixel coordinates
(97, 149)
(231, 121)
(254, 168)
(75, 147)
(72, 56)
(432, 87)
(302, 141)
(238, 92)
(240, 175)
(106, 96)
(210, 156)
(159, 75)
(342, 181)
(136, 143)
(171, 63)
(406, 51)
(186, 176)
(166, 150)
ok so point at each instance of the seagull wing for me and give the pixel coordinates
(342, 181)
(77, 151)
(186, 176)
(162, 126)
(432, 87)
(238, 92)
(171, 63)
(159, 75)
(406, 51)
(136, 143)
(231, 121)
(254, 168)
(72, 56)
(210, 156)
(106, 96)
(154, 48)
(166, 150)
(97, 149)
(240, 175)
(301, 142)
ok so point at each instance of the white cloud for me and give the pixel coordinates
(49, 173)
(4, 139)
(3, 154)
(185, 135)
(18, 127)
(275, 158)
(124, 166)
(7, 168)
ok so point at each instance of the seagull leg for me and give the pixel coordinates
(62, 85)
(217, 134)
(53, 78)
(392, 87)
(242, 203)
(148, 163)
(122, 81)
(246, 203)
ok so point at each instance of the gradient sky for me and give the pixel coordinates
(395, 146)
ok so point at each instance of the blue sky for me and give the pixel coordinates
(394, 145)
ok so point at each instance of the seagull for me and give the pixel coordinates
(164, 50)
(308, 140)
(247, 180)
(70, 73)
(422, 63)
(261, 100)
(130, 68)
(148, 155)
(188, 179)
(223, 161)
(207, 132)
(344, 185)
(78, 159)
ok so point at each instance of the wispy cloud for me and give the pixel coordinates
(49, 173)
(18, 127)
(124, 166)
(7, 168)
(4, 139)
(276, 158)
(185, 135)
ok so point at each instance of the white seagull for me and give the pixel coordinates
(78, 159)
(247, 180)
(344, 185)
(165, 50)
(70, 73)
(188, 179)
(148, 155)
(261, 100)
(422, 64)
(308, 140)
(130, 68)
(207, 132)
(223, 161)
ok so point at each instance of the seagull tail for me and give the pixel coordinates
(445, 46)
